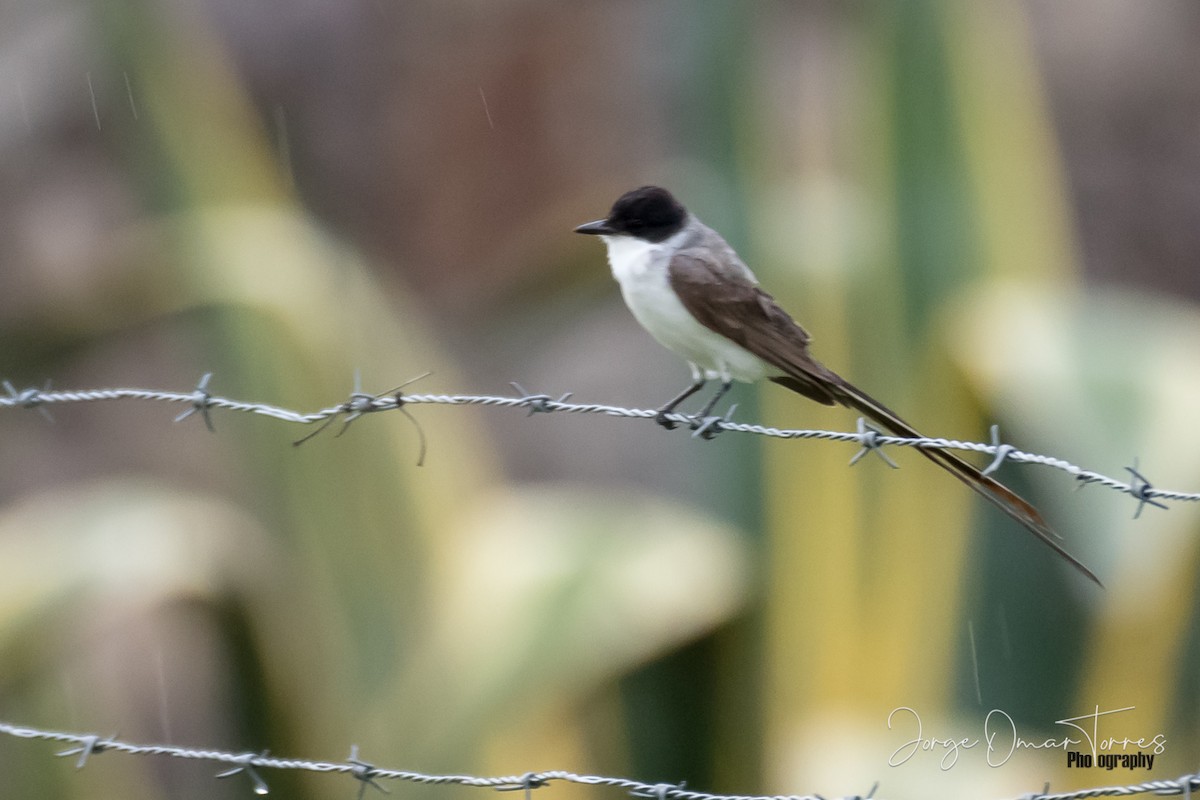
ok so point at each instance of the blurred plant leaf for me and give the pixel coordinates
(551, 592)
(1099, 378)
(871, 563)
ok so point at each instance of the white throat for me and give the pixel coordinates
(630, 258)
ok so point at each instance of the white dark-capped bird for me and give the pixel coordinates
(689, 289)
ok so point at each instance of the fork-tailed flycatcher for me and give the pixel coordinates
(689, 289)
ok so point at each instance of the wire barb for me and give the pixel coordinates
(1141, 489)
(539, 403)
(870, 439)
(659, 791)
(708, 427)
(1002, 451)
(88, 745)
(359, 403)
(30, 398)
(364, 772)
(201, 403)
(528, 782)
(245, 763)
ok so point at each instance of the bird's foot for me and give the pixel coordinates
(706, 428)
(663, 418)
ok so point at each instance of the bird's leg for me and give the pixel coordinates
(661, 416)
(712, 403)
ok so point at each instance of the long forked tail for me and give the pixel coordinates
(992, 490)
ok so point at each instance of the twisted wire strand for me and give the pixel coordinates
(87, 745)
(202, 402)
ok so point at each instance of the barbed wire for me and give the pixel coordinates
(201, 402)
(368, 774)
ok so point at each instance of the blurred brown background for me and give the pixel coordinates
(985, 213)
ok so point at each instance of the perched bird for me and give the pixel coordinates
(689, 289)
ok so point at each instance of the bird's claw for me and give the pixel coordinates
(706, 428)
(662, 419)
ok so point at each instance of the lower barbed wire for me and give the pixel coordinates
(251, 763)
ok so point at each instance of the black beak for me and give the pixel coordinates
(595, 227)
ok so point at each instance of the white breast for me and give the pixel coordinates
(640, 267)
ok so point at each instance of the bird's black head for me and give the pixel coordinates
(649, 213)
